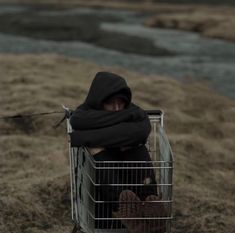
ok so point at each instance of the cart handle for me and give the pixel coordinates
(158, 113)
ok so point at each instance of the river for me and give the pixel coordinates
(192, 56)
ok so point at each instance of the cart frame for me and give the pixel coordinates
(83, 170)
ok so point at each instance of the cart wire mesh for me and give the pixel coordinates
(122, 203)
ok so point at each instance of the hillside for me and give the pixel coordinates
(34, 175)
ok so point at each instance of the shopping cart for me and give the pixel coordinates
(92, 213)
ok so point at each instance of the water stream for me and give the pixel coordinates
(195, 56)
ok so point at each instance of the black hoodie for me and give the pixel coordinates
(95, 127)
(130, 127)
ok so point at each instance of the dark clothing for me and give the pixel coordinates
(130, 127)
(104, 86)
(99, 128)
(123, 133)
(109, 193)
(125, 175)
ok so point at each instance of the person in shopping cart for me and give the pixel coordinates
(113, 128)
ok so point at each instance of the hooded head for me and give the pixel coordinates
(106, 86)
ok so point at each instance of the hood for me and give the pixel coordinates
(104, 86)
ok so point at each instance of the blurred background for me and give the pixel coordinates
(177, 55)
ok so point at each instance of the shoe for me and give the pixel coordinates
(130, 207)
(154, 208)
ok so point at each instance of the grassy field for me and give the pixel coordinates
(34, 174)
(34, 167)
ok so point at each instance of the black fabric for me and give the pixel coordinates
(119, 95)
(95, 127)
(109, 193)
(125, 176)
(85, 118)
(104, 85)
(122, 134)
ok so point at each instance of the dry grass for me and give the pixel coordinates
(206, 22)
(34, 174)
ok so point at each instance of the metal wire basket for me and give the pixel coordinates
(93, 212)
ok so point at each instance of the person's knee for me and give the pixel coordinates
(95, 151)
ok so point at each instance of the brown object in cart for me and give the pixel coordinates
(132, 208)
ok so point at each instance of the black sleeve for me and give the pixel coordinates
(123, 134)
(86, 119)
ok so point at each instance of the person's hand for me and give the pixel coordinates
(96, 150)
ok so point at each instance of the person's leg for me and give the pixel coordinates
(130, 211)
(141, 201)
(105, 190)
(106, 177)
(140, 175)
(154, 208)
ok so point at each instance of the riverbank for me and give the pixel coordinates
(34, 174)
(209, 20)
(118, 38)
(218, 25)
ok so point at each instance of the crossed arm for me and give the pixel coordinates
(99, 129)
(120, 135)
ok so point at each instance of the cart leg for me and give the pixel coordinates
(76, 229)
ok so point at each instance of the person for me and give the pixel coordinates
(113, 128)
